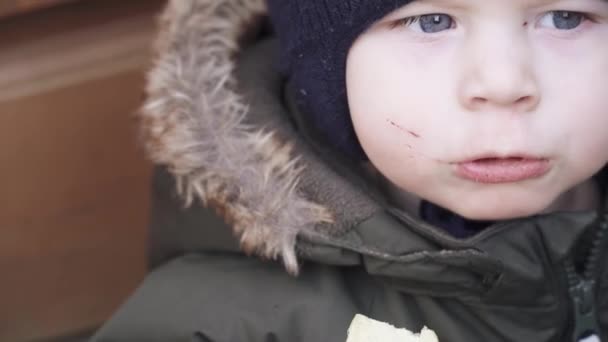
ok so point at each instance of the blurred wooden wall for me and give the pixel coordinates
(14, 7)
(74, 184)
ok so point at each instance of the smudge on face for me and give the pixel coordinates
(403, 129)
(416, 152)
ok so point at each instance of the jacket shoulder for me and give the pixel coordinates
(230, 297)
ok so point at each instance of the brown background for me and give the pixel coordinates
(14, 7)
(73, 181)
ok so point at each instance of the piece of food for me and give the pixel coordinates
(364, 329)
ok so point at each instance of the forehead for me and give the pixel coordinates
(505, 2)
(591, 5)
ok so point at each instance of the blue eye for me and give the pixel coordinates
(562, 20)
(428, 23)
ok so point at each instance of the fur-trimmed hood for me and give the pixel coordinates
(242, 159)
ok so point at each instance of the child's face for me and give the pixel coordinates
(490, 108)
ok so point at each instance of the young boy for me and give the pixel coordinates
(431, 162)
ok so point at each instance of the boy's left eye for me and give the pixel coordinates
(562, 20)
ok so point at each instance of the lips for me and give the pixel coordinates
(494, 170)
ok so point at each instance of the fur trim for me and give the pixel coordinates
(192, 122)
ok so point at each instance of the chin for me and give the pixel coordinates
(498, 209)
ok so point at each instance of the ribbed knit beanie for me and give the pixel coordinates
(314, 38)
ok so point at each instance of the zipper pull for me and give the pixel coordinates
(585, 320)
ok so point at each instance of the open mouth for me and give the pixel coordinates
(502, 170)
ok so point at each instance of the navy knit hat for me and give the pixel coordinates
(315, 37)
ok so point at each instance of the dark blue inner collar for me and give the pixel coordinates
(454, 224)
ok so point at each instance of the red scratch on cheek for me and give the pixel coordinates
(412, 133)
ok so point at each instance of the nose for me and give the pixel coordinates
(498, 74)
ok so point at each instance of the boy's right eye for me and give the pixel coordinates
(428, 23)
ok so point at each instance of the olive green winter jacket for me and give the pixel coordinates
(310, 240)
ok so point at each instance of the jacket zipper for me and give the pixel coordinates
(582, 287)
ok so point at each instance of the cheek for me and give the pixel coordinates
(388, 138)
(375, 115)
(389, 96)
(589, 139)
(373, 97)
(589, 119)
(375, 80)
(576, 101)
(582, 118)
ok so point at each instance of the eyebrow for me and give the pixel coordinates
(446, 3)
